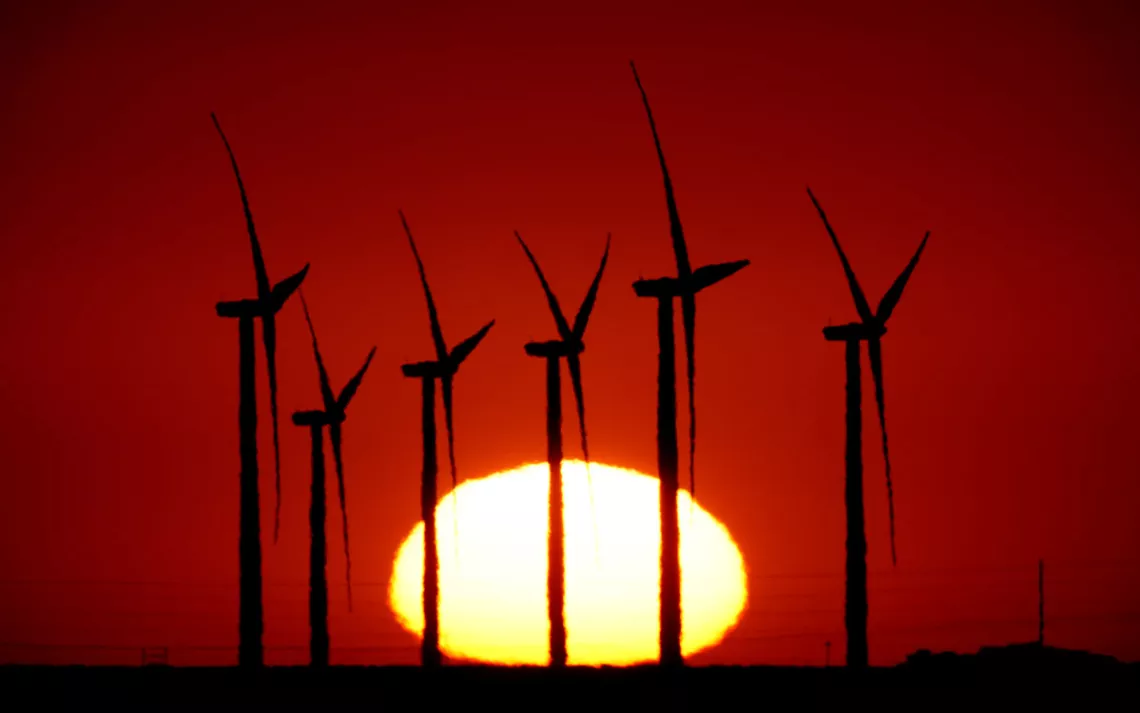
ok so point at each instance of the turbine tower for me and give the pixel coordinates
(871, 328)
(685, 285)
(265, 307)
(568, 346)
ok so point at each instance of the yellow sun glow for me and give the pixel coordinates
(493, 598)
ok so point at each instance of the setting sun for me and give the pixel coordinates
(493, 598)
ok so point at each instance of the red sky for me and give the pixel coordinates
(1010, 373)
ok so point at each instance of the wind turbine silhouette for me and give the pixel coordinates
(331, 415)
(871, 328)
(685, 285)
(444, 368)
(265, 307)
(568, 346)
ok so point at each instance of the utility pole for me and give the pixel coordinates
(1041, 602)
(827, 654)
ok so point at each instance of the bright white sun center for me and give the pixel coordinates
(493, 597)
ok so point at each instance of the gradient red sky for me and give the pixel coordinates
(1008, 132)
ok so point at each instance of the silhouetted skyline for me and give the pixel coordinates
(1008, 132)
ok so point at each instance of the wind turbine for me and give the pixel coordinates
(871, 328)
(265, 307)
(444, 368)
(685, 285)
(331, 415)
(568, 346)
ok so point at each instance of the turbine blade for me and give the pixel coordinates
(335, 437)
(463, 350)
(857, 292)
(448, 411)
(891, 299)
(269, 335)
(258, 259)
(350, 388)
(874, 346)
(689, 316)
(708, 275)
(326, 390)
(679, 250)
(284, 289)
(591, 296)
(551, 300)
(433, 315)
(575, 366)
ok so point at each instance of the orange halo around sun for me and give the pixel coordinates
(493, 598)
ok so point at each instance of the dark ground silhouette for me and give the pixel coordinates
(332, 416)
(994, 679)
(871, 329)
(265, 307)
(569, 346)
(685, 285)
(443, 368)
